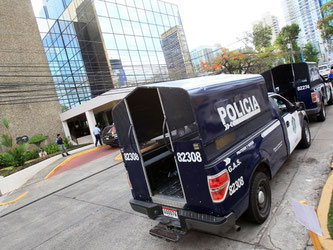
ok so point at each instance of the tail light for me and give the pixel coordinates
(129, 181)
(314, 97)
(218, 185)
(113, 130)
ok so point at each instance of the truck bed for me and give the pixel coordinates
(172, 187)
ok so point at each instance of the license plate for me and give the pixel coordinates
(170, 212)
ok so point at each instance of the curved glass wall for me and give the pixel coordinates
(95, 45)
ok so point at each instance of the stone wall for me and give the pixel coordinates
(21, 48)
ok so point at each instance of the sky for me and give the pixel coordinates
(207, 22)
(223, 21)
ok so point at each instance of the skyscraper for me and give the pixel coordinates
(201, 54)
(176, 53)
(306, 14)
(273, 22)
(95, 45)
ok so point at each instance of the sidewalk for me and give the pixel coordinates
(323, 209)
(37, 187)
(15, 181)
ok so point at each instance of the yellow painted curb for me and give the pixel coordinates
(322, 211)
(15, 200)
(118, 157)
(71, 158)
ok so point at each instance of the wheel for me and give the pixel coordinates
(306, 136)
(322, 114)
(260, 198)
(330, 101)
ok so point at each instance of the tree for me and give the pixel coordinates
(262, 36)
(288, 38)
(16, 153)
(241, 61)
(37, 139)
(64, 108)
(325, 23)
(311, 53)
(6, 139)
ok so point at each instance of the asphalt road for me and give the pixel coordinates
(87, 208)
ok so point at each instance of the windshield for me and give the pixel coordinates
(322, 67)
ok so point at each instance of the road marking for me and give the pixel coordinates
(71, 158)
(118, 157)
(15, 200)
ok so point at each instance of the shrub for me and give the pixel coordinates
(17, 154)
(67, 143)
(37, 139)
(51, 148)
(31, 154)
(6, 160)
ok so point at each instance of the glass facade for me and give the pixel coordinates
(95, 45)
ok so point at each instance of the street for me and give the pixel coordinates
(87, 207)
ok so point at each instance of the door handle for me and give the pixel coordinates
(287, 123)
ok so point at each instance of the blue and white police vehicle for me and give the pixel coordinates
(200, 152)
(301, 82)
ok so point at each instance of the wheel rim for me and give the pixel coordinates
(262, 201)
(261, 198)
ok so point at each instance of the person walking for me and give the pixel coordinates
(97, 134)
(330, 76)
(61, 146)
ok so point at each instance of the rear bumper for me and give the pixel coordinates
(314, 111)
(188, 219)
(112, 142)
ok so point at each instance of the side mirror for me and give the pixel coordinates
(299, 105)
(277, 89)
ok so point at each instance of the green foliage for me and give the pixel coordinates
(325, 23)
(67, 143)
(31, 154)
(51, 148)
(288, 37)
(5, 122)
(6, 160)
(6, 141)
(64, 108)
(18, 154)
(37, 139)
(262, 36)
(311, 53)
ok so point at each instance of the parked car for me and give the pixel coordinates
(301, 82)
(234, 139)
(109, 136)
(324, 70)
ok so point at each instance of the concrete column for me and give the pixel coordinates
(105, 118)
(66, 129)
(91, 123)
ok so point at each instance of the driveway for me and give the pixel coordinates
(87, 207)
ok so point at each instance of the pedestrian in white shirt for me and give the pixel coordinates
(97, 134)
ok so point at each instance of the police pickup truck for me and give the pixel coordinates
(200, 152)
(301, 82)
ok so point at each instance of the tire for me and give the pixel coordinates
(306, 136)
(258, 211)
(330, 101)
(322, 114)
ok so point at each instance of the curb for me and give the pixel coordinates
(322, 212)
(18, 179)
(71, 158)
(15, 200)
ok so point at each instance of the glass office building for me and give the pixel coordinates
(95, 45)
